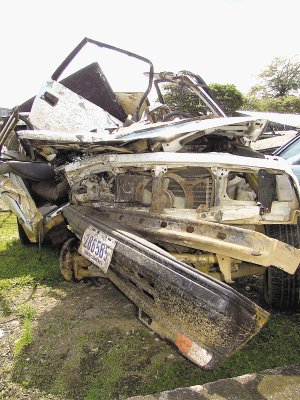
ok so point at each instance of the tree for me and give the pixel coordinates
(228, 96)
(282, 104)
(183, 100)
(280, 78)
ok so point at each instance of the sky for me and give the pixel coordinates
(224, 41)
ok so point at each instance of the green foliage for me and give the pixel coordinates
(280, 78)
(282, 104)
(25, 339)
(230, 98)
(178, 99)
(20, 265)
(277, 89)
(26, 311)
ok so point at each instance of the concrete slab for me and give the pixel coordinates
(277, 384)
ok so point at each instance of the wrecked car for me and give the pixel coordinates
(170, 208)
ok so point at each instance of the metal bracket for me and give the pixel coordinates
(157, 188)
(225, 264)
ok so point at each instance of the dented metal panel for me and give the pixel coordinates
(59, 109)
(173, 135)
(15, 194)
(91, 84)
(185, 129)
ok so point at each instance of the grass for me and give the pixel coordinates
(107, 364)
(26, 312)
(21, 267)
(25, 339)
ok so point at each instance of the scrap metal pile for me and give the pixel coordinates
(165, 205)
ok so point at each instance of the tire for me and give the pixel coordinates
(282, 290)
(22, 236)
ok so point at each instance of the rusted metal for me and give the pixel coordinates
(205, 319)
(73, 266)
(209, 264)
(157, 189)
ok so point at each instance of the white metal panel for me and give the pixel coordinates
(70, 113)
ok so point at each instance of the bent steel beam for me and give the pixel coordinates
(231, 241)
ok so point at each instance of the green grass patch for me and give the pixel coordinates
(25, 339)
(26, 311)
(21, 264)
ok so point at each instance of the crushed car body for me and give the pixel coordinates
(164, 205)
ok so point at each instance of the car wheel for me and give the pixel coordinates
(22, 235)
(282, 290)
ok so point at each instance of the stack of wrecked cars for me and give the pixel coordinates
(170, 208)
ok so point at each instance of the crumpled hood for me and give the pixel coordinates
(173, 135)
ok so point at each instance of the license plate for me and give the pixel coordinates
(97, 247)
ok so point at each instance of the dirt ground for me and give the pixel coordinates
(80, 332)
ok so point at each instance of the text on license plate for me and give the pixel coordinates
(97, 247)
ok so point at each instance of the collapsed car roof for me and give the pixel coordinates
(83, 113)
